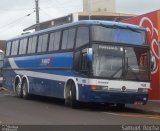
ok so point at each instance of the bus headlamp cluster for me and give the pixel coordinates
(143, 90)
(99, 88)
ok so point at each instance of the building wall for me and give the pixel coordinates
(150, 21)
(99, 5)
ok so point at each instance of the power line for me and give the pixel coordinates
(17, 20)
(45, 12)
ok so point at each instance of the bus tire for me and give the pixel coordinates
(71, 96)
(25, 90)
(18, 89)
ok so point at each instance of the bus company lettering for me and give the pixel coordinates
(45, 61)
(108, 47)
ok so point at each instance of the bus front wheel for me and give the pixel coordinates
(71, 96)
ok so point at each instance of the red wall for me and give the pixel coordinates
(151, 22)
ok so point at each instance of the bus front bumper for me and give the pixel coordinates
(114, 97)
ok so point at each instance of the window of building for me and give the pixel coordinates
(68, 39)
(54, 41)
(32, 45)
(42, 43)
(8, 49)
(82, 36)
(14, 50)
(23, 46)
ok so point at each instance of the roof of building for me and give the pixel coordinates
(101, 15)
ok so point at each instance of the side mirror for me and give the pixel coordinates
(153, 63)
(90, 54)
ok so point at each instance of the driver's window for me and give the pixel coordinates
(81, 62)
(84, 60)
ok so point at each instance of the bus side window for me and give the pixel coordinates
(82, 36)
(54, 41)
(65, 39)
(14, 50)
(42, 43)
(51, 42)
(57, 40)
(23, 46)
(32, 45)
(68, 39)
(8, 49)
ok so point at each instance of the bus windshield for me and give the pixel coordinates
(119, 62)
(118, 35)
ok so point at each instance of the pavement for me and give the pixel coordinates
(152, 106)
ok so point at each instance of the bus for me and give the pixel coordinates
(81, 62)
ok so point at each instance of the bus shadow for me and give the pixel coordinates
(129, 109)
(90, 106)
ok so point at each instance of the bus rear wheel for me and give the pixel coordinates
(25, 90)
(18, 89)
(71, 96)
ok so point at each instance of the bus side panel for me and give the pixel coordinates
(45, 87)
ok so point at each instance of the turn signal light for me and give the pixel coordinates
(93, 87)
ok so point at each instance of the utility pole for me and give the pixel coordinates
(89, 6)
(37, 14)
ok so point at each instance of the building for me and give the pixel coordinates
(107, 16)
(92, 9)
(99, 6)
(151, 21)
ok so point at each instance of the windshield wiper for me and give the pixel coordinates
(116, 73)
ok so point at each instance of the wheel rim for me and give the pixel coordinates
(18, 89)
(24, 89)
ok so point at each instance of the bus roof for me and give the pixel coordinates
(87, 22)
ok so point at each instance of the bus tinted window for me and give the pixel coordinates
(71, 37)
(42, 43)
(82, 36)
(54, 41)
(65, 39)
(23, 46)
(68, 39)
(57, 40)
(8, 49)
(51, 42)
(14, 50)
(32, 45)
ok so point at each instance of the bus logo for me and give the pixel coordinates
(45, 61)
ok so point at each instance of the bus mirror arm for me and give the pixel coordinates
(89, 54)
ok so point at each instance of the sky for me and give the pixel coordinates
(19, 14)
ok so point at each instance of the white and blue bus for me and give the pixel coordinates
(85, 61)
